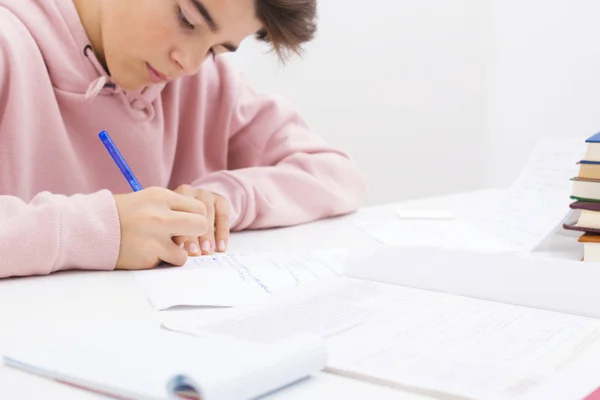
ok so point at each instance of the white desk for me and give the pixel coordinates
(35, 306)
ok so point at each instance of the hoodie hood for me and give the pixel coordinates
(71, 63)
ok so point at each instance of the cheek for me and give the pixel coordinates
(161, 37)
(156, 40)
(140, 35)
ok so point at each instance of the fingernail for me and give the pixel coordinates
(221, 245)
(194, 248)
(206, 246)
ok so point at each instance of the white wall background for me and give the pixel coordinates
(398, 84)
(440, 96)
(544, 78)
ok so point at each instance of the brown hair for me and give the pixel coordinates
(288, 24)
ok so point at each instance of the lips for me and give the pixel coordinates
(155, 75)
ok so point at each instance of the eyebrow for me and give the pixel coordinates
(212, 25)
(206, 15)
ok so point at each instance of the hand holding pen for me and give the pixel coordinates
(150, 218)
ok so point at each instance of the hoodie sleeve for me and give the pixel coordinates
(280, 172)
(54, 232)
(51, 232)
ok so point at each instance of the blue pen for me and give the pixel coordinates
(120, 161)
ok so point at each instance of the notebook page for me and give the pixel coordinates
(323, 309)
(579, 381)
(463, 347)
(423, 340)
(227, 280)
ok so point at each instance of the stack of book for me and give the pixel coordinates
(586, 193)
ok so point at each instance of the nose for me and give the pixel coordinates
(188, 61)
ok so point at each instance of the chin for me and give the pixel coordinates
(127, 82)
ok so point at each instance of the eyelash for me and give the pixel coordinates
(188, 25)
(183, 20)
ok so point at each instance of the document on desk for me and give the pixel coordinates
(532, 209)
(227, 280)
(433, 343)
(538, 201)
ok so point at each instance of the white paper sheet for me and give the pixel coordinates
(426, 341)
(227, 280)
(532, 209)
(516, 278)
(538, 201)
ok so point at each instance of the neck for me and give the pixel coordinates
(89, 14)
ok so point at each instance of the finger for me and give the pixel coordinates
(207, 240)
(192, 247)
(189, 244)
(185, 190)
(179, 202)
(187, 225)
(221, 224)
(173, 254)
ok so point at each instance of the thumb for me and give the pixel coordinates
(174, 254)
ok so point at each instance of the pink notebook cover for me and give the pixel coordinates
(594, 396)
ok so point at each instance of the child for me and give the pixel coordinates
(211, 154)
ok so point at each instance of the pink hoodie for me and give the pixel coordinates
(212, 131)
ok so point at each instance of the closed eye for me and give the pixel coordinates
(183, 20)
